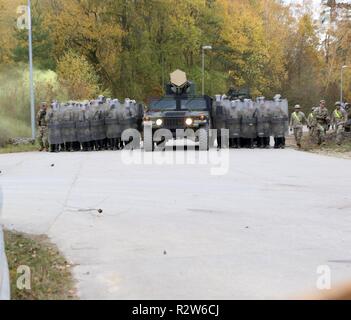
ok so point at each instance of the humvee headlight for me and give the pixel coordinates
(189, 121)
(159, 122)
(202, 117)
(146, 118)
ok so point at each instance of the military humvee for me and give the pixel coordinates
(181, 109)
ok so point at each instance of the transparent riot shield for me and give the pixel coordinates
(263, 116)
(248, 120)
(68, 125)
(83, 126)
(54, 126)
(128, 115)
(113, 127)
(280, 118)
(234, 119)
(97, 124)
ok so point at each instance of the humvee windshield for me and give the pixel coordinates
(194, 104)
(163, 104)
(190, 104)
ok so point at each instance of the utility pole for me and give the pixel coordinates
(31, 80)
(342, 84)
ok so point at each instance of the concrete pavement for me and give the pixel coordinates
(178, 232)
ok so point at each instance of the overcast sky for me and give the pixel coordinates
(315, 2)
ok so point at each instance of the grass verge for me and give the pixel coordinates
(51, 277)
(10, 148)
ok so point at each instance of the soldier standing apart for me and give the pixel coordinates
(43, 128)
(311, 123)
(322, 122)
(338, 121)
(297, 121)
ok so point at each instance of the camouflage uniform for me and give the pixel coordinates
(322, 123)
(338, 122)
(311, 122)
(297, 120)
(43, 129)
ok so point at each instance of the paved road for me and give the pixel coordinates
(180, 232)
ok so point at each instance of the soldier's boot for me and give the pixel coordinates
(282, 143)
(114, 144)
(219, 141)
(339, 136)
(238, 142)
(88, 146)
(104, 144)
(97, 145)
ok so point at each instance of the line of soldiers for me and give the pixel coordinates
(252, 123)
(319, 121)
(90, 125)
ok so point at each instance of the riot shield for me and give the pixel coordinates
(54, 128)
(68, 125)
(128, 115)
(219, 112)
(263, 116)
(248, 120)
(233, 119)
(97, 124)
(113, 126)
(280, 118)
(83, 126)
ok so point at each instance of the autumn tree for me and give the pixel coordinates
(77, 76)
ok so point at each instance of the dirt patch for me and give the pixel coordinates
(329, 149)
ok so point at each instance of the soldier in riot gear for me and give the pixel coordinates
(279, 122)
(127, 118)
(83, 127)
(43, 128)
(234, 123)
(113, 127)
(97, 125)
(76, 145)
(248, 125)
(68, 130)
(263, 116)
(220, 114)
(54, 127)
